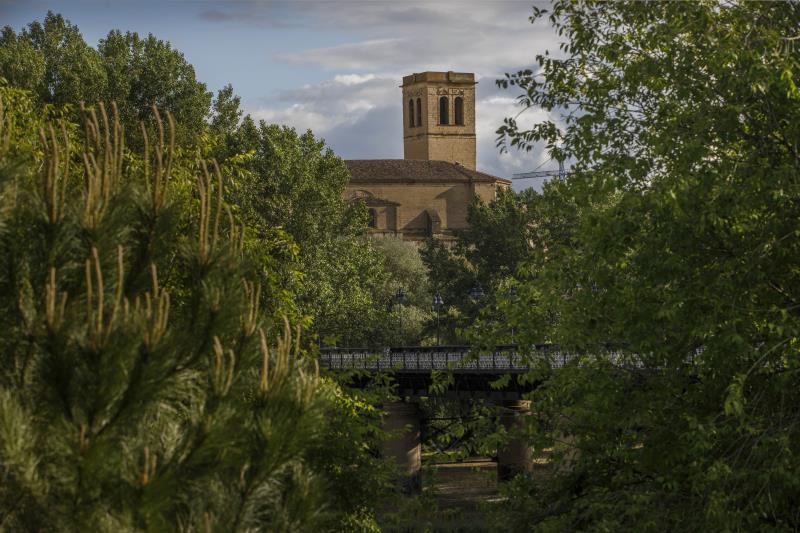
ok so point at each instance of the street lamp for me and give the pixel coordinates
(476, 292)
(512, 292)
(400, 297)
(437, 303)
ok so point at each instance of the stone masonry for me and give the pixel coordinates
(427, 194)
(432, 140)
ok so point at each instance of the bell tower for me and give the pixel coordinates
(439, 117)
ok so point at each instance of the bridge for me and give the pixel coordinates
(412, 368)
(475, 374)
(474, 370)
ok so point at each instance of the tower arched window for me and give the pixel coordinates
(373, 219)
(444, 110)
(419, 112)
(411, 113)
(458, 110)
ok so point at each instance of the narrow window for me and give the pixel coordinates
(411, 113)
(419, 112)
(459, 110)
(373, 218)
(443, 111)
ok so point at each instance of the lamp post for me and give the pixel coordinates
(512, 292)
(400, 297)
(437, 303)
(476, 292)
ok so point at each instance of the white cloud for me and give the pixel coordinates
(489, 114)
(486, 37)
(326, 106)
(361, 15)
(300, 116)
(494, 39)
(352, 79)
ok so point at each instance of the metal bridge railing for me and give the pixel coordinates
(503, 359)
(464, 359)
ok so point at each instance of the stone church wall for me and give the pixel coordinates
(448, 201)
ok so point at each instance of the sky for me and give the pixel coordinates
(335, 66)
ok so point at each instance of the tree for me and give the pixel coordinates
(681, 121)
(52, 60)
(295, 182)
(226, 111)
(409, 322)
(487, 255)
(143, 72)
(143, 387)
(300, 242)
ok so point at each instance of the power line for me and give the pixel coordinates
(543, 163)
(536, 173)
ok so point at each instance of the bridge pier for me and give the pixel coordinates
(515, 457)
(404, 446)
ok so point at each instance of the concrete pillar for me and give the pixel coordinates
(515, 457)
(403, 446)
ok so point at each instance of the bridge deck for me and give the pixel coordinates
(459, 359)
(474, 372)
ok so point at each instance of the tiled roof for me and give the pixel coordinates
(415, 170)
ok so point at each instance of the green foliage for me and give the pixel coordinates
(141, 388)
(294, 182)
(226, 115)
(459, 430)
(297, 183)
(408, 323)
(52, 60)
(358, 477)
(487, 254)
(499, 234)
(145, 72)
(674, 234)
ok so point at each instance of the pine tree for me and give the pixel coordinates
(140, 387)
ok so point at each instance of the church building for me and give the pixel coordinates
(427, 193)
